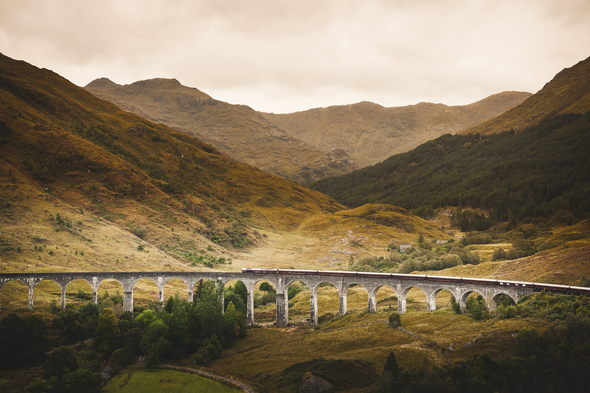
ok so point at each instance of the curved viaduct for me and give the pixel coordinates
(281, 283)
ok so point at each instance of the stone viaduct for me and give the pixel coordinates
(281, 283)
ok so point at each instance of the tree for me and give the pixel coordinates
(391, 365)
(81, 381)
(265, 287)
(145, 318)
(527, 342)
(179, 331)
(122, 357)
(107, 334)
(395, 320)
(236, 322)
(154, 343)
(69, 327)
(22, 340)
(390, 375)
(232, 297)
(584, 282)
(209, 309)
(42, 386)
(241, 290)
(499, 253)
(59, 362)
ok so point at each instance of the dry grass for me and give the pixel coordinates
(365, 336)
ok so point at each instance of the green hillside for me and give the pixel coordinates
(541, 171)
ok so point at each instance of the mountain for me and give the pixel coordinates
(370, 133)
(88, 186)
(567, 92)
(66, 153)
(541, 171)
(236, 130)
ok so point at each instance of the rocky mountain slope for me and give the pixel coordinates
(370, 133)
(567, 92)
(236, 130)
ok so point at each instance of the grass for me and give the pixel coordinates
(367, 337)
(133, 379)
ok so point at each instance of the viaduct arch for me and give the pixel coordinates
(281, 282)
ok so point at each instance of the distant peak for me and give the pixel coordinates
(101, 83)
(159, 83)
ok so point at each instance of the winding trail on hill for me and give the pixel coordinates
(207, 374)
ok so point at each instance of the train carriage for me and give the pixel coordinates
(456, 280)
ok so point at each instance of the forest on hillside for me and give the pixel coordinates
(542, 171)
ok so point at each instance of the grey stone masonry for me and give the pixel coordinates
(281, 282)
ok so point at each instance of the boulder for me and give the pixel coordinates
(313, 384)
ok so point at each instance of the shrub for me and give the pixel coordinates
(395, 320)
(584, 282)
(527, 342)
(499, 254)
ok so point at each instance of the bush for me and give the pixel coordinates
(506, 312)
(527, 342)
(584, 282)
(395, 320)
(499, 254)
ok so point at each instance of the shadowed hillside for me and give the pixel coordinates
(370, 133)
(236, 130)
(538, 172)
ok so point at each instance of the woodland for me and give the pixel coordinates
(542, 171)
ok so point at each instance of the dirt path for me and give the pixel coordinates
(207, 374)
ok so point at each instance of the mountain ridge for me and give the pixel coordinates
(303, 146)
(236, 130)
(567, 92)
(370, 133)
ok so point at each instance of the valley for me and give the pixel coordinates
(87, 186)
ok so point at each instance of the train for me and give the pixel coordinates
(536, 287)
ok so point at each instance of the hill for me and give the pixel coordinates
(370, 133)
(64, 151)
(539, 172)
(236, 130)
(567, 92)
(87, 186)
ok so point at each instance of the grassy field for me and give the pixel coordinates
(133, 380)
(443, 336)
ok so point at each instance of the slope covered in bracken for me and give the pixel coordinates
(64, 151)
(88, 186)
(567, 92)
(236, 130)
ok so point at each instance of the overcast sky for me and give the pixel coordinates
(285, 56)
